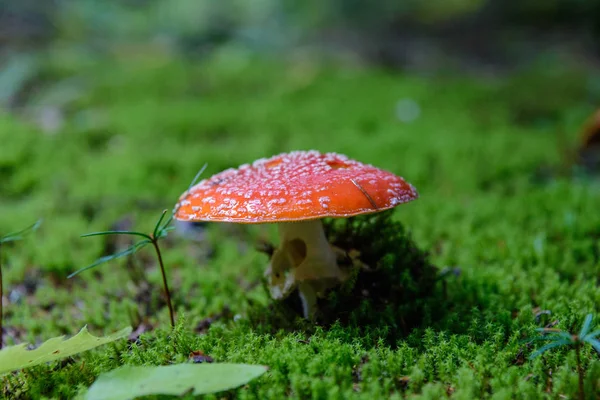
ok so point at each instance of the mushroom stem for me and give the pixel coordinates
(306, 260)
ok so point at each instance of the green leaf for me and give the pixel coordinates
(129, 382)
(553, 335)
(549, 346)
(197, 177)
(106, 233)
(157, 227)
(18, 357)
(550, 338)
(592, 335)
(130, 250)
(163, 231)
(586, 325)
(14, 236)
(595, 344)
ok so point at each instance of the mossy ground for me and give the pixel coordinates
(483, 153)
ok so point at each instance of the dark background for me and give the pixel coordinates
(480, 35)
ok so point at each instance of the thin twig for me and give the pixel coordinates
(365, 193)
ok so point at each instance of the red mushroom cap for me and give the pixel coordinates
(296, 186)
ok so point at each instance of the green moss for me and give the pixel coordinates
(390, 289)
(507, 244)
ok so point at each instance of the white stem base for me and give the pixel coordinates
(304, 260)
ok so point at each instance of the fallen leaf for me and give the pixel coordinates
(18, 357)
(130, 382)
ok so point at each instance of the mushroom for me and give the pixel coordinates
(294, 191)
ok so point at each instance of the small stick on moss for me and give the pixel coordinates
(11, 237)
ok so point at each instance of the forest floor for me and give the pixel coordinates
(110, 145)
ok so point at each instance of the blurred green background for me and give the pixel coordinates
(549, 46)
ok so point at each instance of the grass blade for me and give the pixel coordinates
(553, 337)
(14, 236)
(197, 177)
(586, 325)
(102, 260)
(163, 232)
(595, 344)
(591, 336)
(191, 185)
(548, 347)
(104, 233)
(169, 220)
(157, 227)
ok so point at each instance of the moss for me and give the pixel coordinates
(508, 246)
(393, 282)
